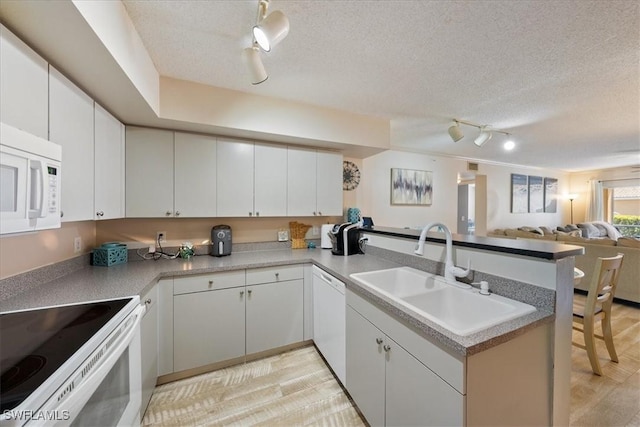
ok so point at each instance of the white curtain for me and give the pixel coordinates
(595, 202)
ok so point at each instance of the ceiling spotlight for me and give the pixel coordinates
(509, 145)
(254, 63)
(455, 132)
(483, 137)
(270, 29)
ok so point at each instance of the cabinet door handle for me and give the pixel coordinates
(241, 293)
(257, 213)
(148, 301)
(249, 291)
(379, 341)
(250, 213)
(167, 213)
(319, 213)
(177, 213)
(386, 348)
(210, 283)
(100, 213)
(277, 276)
(314, 214)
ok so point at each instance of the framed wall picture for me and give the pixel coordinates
(411, 187)
(550, 195)
(519, 193)
(536, 194)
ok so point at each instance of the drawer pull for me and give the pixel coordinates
(249, 291)
(379, 340)
(148, 301)
(277, 275)
(386, 348)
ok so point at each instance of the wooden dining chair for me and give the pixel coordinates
(598, 306)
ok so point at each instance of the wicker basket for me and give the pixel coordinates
(110, 254)
(298, 231)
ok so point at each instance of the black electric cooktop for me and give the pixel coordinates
(35, 343)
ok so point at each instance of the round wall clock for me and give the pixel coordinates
(350, 176)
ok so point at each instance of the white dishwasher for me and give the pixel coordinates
(329, 322)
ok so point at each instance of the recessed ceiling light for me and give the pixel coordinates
(509, 145)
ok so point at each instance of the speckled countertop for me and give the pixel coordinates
(137, 277)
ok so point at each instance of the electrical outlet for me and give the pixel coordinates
(77, 245)
(161, 236)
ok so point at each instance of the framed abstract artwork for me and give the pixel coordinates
(536, 194)
(550, 195)
(411, 187)
(519, 193)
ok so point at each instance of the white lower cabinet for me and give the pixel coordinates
(389, 385)
(208, 327)
(149, 347)
(208, 319)
(222, 316)
(274, 315)
(275, 307)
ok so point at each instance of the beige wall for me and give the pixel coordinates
(27, 251)
(579, 185)
(141, 232)
(375, 192)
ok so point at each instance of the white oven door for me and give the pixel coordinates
(106, 389)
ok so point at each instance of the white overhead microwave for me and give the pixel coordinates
(29, 181)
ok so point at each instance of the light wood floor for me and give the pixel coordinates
(614, 398)
(291, 389)
(296, 388)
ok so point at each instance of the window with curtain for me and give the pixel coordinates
(621, 206)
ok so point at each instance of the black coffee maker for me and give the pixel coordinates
(344, 238)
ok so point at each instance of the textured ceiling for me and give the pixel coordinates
(562, 76)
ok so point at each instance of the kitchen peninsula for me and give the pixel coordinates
(535, 273)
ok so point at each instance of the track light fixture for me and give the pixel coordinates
(483, 136)
(254, 63)
(268, 32)
(455, 132)
(486, 132)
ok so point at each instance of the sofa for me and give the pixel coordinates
(597, 246)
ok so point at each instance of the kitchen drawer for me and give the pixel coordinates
(274, 274)
(208, 282)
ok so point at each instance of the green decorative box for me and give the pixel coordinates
(110, 254)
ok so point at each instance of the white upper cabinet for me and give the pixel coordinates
(24, 86)
(170, 175)
(329, 184)
(301, 182)
(235, 178)
(149, 173)
(270, 180)
(195, 175)
(314, 183)
(109, 165)
(71, 126)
